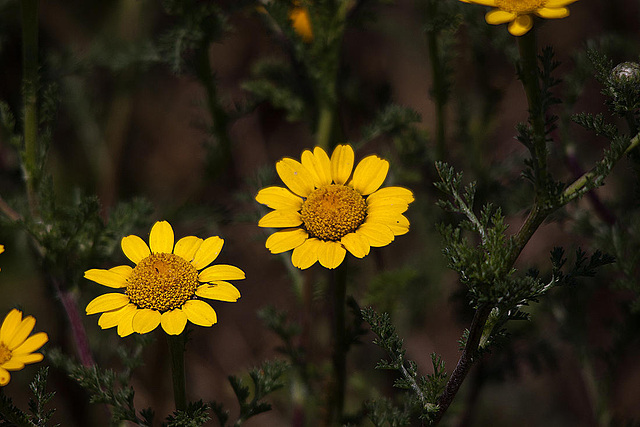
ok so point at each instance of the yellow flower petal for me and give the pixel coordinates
(497, 16)
(357, 244)
(295, 176)
(219, 290)
(161, 238)
(482, 2)
(558, 3)
(125, 325)
(199, 313)
(122, 270)
(286, 240)
(21, 332)
(5, 377)
(208, 252)
(305, 255)
(521, 25)
(107, 302)
(109, 319)
(32, 343)
(279, 198)
(331, 254)
(26, 359)
(552, 12)
(399, 224)
(281, 218)
(13, 364)
(173, 321)
(388, 206)
(377, 234)
(10, 323)
(301, 23)
(134, 248)
(319, 165)
(107, 278)
(145, 320)
(187, 247)
(369, 174)
(221, 272)
(391, 193)
(342, 163)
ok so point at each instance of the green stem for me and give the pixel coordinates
(339, 279)
(326, 117)
(29, 10)
(439, 88)
(219, 117)
(591, 178)
(176, 349)
(529, 75)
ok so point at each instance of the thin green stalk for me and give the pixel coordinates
(176, 349)
(339, 279)
(29, 10)
(579, 186)
(530, 80)
(324, 130)
(219, 117)
(439, 88)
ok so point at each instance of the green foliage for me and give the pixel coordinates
(264, 380)
(276, 82)
(195, 415)
(424, 391)
(38, 415)
(104, 386)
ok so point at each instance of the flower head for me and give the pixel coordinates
(164, 286)
(326, 211)
(301, 23)
(16, 346)
(518, 12)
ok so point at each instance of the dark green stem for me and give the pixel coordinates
(465, 362)
(529, 74)
(29, 10)
(176, 349)
(439, 88)
(339, 280)
(219, 117)
(325, 127)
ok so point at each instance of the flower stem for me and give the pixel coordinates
(176, 349)
(29, 11)
(439, 87)
(324, 130)
(529, 75)
(339, 279)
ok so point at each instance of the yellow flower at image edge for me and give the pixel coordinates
(518, 12)
(16, 346)
(164, 286)
(301, 23)
(325, 211)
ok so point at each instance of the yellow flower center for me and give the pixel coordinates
(5, 353)
(520, 6)
(162, 282)
(333, 211)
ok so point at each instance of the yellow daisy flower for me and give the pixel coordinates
(16, 346)
(164, 286)
(518, 12)
(301, 23)
(325, 211)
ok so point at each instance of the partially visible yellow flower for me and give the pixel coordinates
(1, 248)
(16, 346)
(301, 23)
(518, 12)
(325, 211)
(164, 286)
